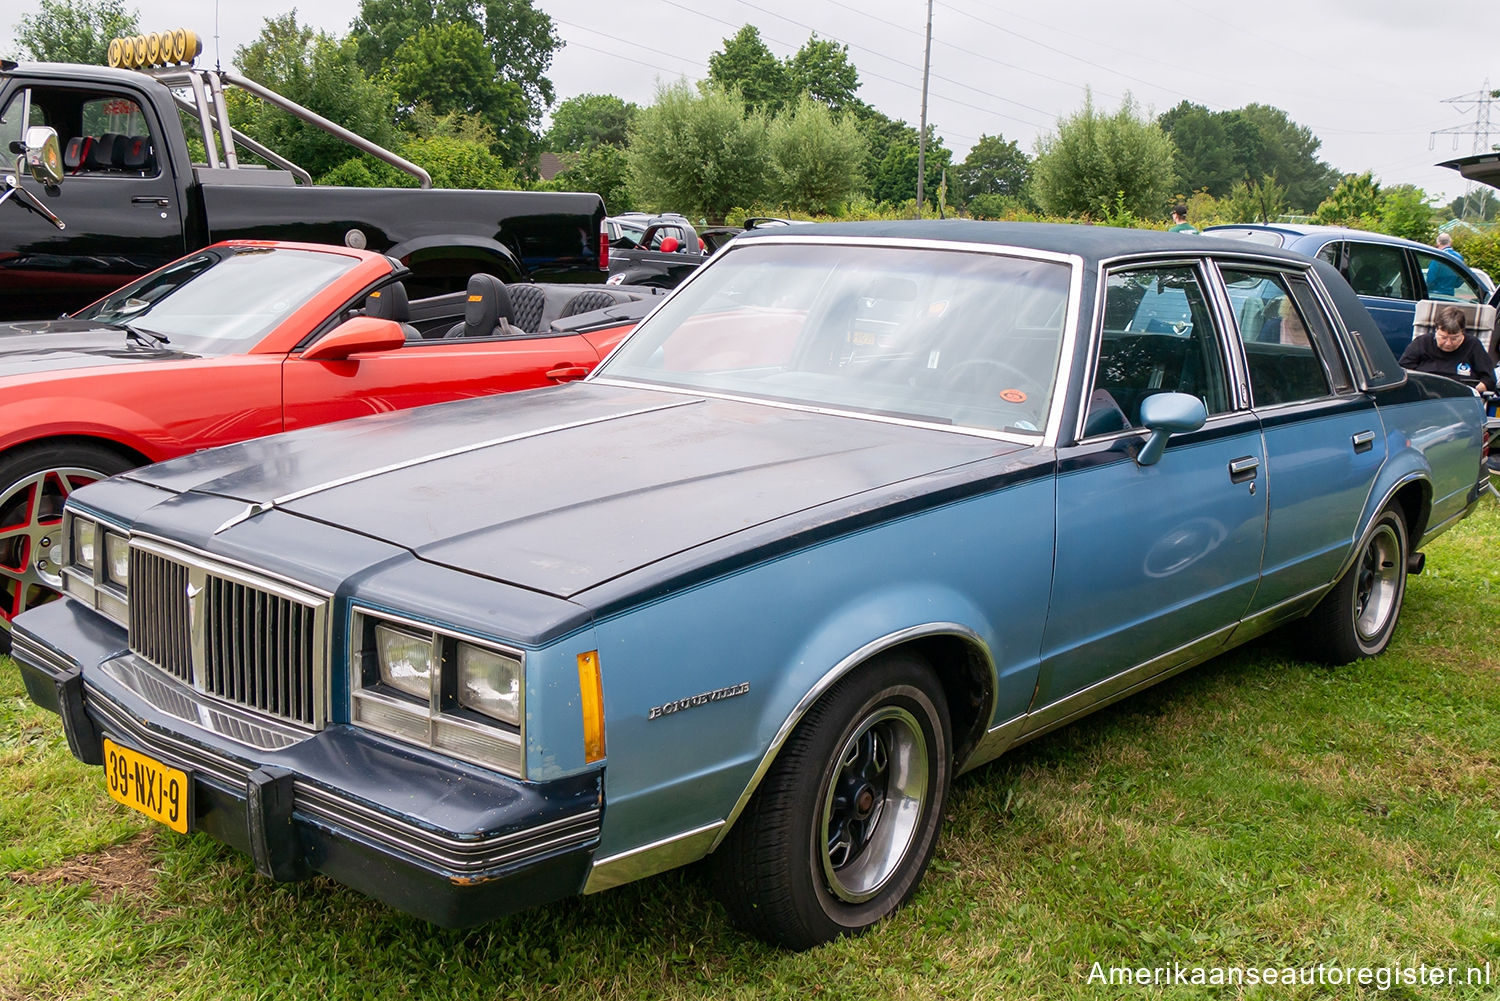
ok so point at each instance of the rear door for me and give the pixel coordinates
(1324, 442)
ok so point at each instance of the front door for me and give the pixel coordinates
(118, 201)
(1153, 563)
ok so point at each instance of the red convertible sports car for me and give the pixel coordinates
(244, 339)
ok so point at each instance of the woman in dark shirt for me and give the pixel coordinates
(1451, 351)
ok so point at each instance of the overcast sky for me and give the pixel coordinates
(1371, 78)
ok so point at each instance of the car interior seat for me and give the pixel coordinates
(488, 306)
(76, 155)
(107, 152)
(587, 302)
(527, 302)
(139, 157)
(389, 302)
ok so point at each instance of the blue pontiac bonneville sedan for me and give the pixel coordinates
(857, 508)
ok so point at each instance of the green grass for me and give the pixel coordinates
(1257, 811)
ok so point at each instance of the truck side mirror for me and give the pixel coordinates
(43, 156)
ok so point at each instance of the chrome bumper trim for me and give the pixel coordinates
(315, 804)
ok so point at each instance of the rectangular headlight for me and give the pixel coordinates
(405, 660)
(490, 683)
(84, 532)
(116, 558)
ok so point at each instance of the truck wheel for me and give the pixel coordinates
(843, 825)
(1356, 619)
(34, 483)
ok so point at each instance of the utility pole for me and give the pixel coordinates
(1480, 130)
(922, 140)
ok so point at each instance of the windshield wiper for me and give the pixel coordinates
(138, 334)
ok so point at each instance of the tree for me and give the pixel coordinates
(321, 73)
(1290, 152)
(698, 153)
(1215, 149)
(1250, 201)
(816, 158)
(1406, 211)
(994, 166)
(77, 32)
(746, 65)
(1355, 202)
(590, 120)
(1102, 165)
(1479, 205)
(821, 68)
(603, 169)
(447, 67)
(895, 180)
(518, 40)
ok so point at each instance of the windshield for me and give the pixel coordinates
(223, 300)
(940, 336)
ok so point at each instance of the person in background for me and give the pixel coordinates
(1179, 220)
(1452, 351)
(1442, 282)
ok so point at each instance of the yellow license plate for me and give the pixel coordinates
(142, 783)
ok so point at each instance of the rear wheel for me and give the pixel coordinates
(1357, 618)
(843, 825)
(34, 483)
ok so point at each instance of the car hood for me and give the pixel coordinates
(57, 345)
(562, 489)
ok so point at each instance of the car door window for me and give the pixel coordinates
(1444, 280)
(1288, 343)
(1158, 337)
(1379, 270)
(102, 133)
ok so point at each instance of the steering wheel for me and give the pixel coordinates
(977, 372)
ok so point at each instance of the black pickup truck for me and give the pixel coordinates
(122, 194)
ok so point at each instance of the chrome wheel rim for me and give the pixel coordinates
(1377, 588)
(30, 540)
(876, 796)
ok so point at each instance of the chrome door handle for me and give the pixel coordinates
(1243, 468)
(151, 200)
(1364, 441)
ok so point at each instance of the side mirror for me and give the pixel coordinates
(43, 156)
(357, 335)
(1167, 414)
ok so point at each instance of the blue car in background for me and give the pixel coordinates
(1389, 274)
(856, 509)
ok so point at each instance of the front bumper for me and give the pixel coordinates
(443, 840)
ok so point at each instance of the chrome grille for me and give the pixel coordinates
(229, 632)
(159, 626)
(261, 652)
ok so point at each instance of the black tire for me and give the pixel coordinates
(34, 483)
(820, 851)
(1357, 618)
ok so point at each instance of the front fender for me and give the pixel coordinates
(40, 419)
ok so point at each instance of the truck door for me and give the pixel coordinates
(118, 200)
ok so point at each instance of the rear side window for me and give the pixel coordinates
(1380, 271)
(1288, 344)
(1444, 281)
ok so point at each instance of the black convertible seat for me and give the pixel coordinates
(587, 302)
(389, 302)
(528, 302)
(487, 307)
(139, 154)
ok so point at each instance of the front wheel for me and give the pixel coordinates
(1357, 618)
(843, 825)
(34, 484)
